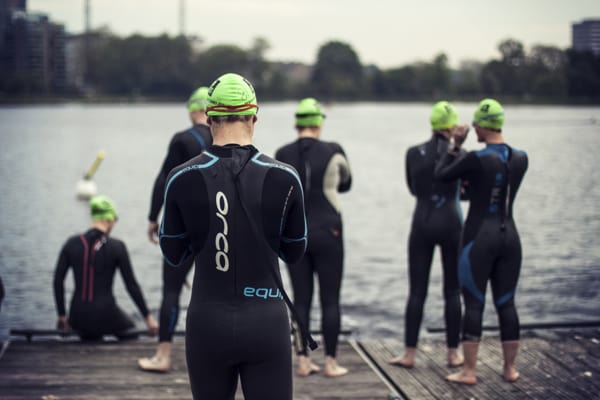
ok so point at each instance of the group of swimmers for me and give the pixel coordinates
(486, 248)
(234, 211)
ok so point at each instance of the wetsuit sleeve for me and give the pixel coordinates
(407, 172)
(62, 266)
(464, 184)
(284, 218)
(131, 284)
(345, 173)
(174, 157)
(451, 167)
(174, 239)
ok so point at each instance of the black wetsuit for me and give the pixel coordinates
(95, 258)
(324, 172)
(184, 146)
(437, 221)
(235, 210)
(490, 243)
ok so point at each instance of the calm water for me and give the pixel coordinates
(46, 149)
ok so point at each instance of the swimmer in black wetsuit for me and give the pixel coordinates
(235, 210)
(184, 145)
(324, 171)
(95, 258)
(490, 244)
(437, 221)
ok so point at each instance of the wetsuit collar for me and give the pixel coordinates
(227, 150)
(440, 136)
(94, 232)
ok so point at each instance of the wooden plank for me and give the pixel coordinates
(559, 366)
(542, 377)
(75, 370)
(406, 381)
(489, 380)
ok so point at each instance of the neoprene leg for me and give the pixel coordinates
(420, 255)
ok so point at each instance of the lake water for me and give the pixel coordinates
(45, 150)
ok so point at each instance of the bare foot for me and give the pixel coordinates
(462, 377)
(306, 367)
(332, 369)
(511, 374)
(154, 364)
(455, 359)
(404, 361)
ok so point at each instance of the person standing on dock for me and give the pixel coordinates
(490, 247)
(235, 210)
(95, 258)
(437, 221)
(184, 145)
(324, 171)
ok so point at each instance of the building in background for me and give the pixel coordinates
(32, 52)
(586, 36)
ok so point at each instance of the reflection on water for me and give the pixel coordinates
(46, 150)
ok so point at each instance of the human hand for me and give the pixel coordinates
(152, 325)
(62, 324)
(459, 134)
(153, 231)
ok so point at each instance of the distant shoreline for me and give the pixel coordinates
(46, 100)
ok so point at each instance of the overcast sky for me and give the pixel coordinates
(387, 33)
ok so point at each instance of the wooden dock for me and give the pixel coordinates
(553, 365)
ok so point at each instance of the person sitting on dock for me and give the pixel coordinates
(490, 245)
(95, 258)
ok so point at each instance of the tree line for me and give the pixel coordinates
(170, 67)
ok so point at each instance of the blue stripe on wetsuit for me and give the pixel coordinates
(162, 234)
(282, 224)
(295, 175)
(198, 137)
(505, 298)
(465, 274)
(501, 150)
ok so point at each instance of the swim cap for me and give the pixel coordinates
(309, 113)
(443, 116)
(231, 94)
(489, 114)
(198, 100)
(102, 208)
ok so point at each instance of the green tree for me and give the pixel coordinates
(512, 52)
(505, 77)
(440, 76)
(138, 65)
(583, 75)
(338, 73)
(546, 72)
(260, 71)
(466, 79)
(218, 60)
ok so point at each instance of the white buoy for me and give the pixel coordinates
(86, 188)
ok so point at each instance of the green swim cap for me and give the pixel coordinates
(309, 113)
(231, 94)
(102, 208)
(443, 116)
(198, 100)
(489, 114)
